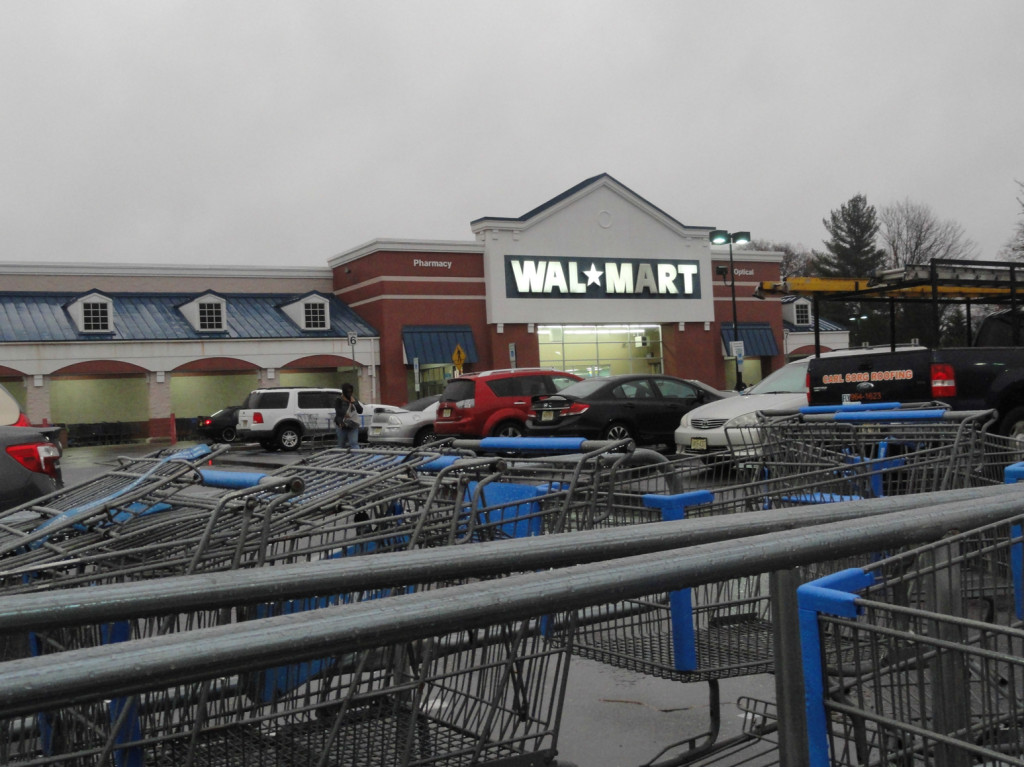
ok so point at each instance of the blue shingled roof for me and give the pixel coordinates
(43, 317)
(435, 344)
(757, 337)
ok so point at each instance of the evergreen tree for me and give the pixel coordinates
(954, 328)
(851, 252)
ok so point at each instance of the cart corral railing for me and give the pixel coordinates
(590, 568)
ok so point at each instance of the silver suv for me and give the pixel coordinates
(279, 418)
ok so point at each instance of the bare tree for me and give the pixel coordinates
(1013, 250)
(912, 234)
(796, 260)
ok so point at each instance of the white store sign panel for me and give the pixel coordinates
(600, 255)
(538, 277)
(599, 289)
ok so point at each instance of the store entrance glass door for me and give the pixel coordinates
(600, 350)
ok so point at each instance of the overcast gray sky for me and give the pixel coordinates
(275, 133)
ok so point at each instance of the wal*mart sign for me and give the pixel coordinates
(546, 277)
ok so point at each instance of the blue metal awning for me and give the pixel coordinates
(435, 344)
(757, 337)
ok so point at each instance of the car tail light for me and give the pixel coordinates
(943, 380)
(577, 408)
(206, 422)
(257, 417)
(807, 387)
(40, 457)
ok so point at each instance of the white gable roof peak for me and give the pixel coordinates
(573, 196)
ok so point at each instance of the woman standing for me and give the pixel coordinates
(346, 417)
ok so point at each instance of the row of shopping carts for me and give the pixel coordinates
(815, 456)
(487, 697)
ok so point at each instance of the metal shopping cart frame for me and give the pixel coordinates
(107, 673)
(489, 695)
(919, 659)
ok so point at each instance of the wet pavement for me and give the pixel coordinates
(612, 717)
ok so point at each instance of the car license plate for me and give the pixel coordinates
(547, 415)
(698, 443)
(446, 413)
(375, 430)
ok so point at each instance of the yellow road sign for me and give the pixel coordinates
(458, 357)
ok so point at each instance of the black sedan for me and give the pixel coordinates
(221, 426)
(644, 408)
(29, 464)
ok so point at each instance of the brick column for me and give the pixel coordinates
(159, 406)
(37, 400)
(367, 392)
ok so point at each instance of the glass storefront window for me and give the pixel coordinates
(433, 379)
(600, 350)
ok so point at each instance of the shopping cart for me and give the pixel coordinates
(919, 658)
(186, 526)
(472, 699)
(340, 503)
(337, 503)
(99, 501)
(317, 428)
(376, 501)
(702, 634)
(899, 449)
(486, 696)
(725, 629)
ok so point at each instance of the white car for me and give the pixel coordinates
(412, 425)
(702, 430)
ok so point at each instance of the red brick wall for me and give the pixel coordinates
(389, 291)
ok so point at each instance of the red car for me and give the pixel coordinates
(494, 403)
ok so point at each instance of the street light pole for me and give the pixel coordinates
(721, 237)
(856, 319)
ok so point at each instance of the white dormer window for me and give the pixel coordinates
(211, 315)
(96, 317)
(93, 313)
(310, 312)
(207, 314)
(803, 313)
(315, 313)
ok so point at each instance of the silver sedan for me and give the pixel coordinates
(413, 425)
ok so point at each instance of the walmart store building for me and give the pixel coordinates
(596, 281)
